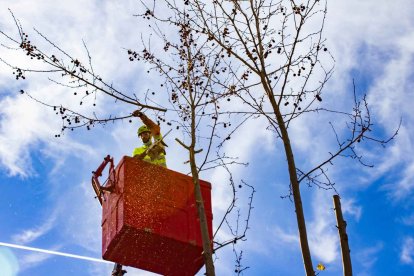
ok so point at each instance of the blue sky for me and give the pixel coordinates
(46, 200)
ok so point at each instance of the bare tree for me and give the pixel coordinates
(280, 63)
(195, 92)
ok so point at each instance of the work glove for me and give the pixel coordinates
(155, 151)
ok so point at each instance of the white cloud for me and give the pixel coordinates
(29, 260)
(368, 257)
(405, 186)
(22, 125)
(350, 207)
(323, 239)
(382, 50)
(252, 141)
(408, 220)
(79, 205)
(407, 251)
(26, 124)
(30, 235)
(286, 237)
(322, 234)
(32, 259)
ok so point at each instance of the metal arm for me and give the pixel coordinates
(97, 187)
(99, 191)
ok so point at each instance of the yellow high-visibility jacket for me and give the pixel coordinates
(159, 159)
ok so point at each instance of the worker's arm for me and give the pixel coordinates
(155, 129)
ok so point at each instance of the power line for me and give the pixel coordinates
(54, 252)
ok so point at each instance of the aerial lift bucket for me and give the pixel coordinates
(149, 217)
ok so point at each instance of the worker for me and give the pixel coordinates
(151, 151)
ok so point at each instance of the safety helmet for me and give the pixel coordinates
(143, 129)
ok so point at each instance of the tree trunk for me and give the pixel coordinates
(297, 199)
(343, 237)
(307, 260)
(207, 250)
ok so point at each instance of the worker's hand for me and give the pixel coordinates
(155, 151)
(137, 113)
(140, 156)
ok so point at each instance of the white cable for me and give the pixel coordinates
(54, 252)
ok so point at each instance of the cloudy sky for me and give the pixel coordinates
(46, 200)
